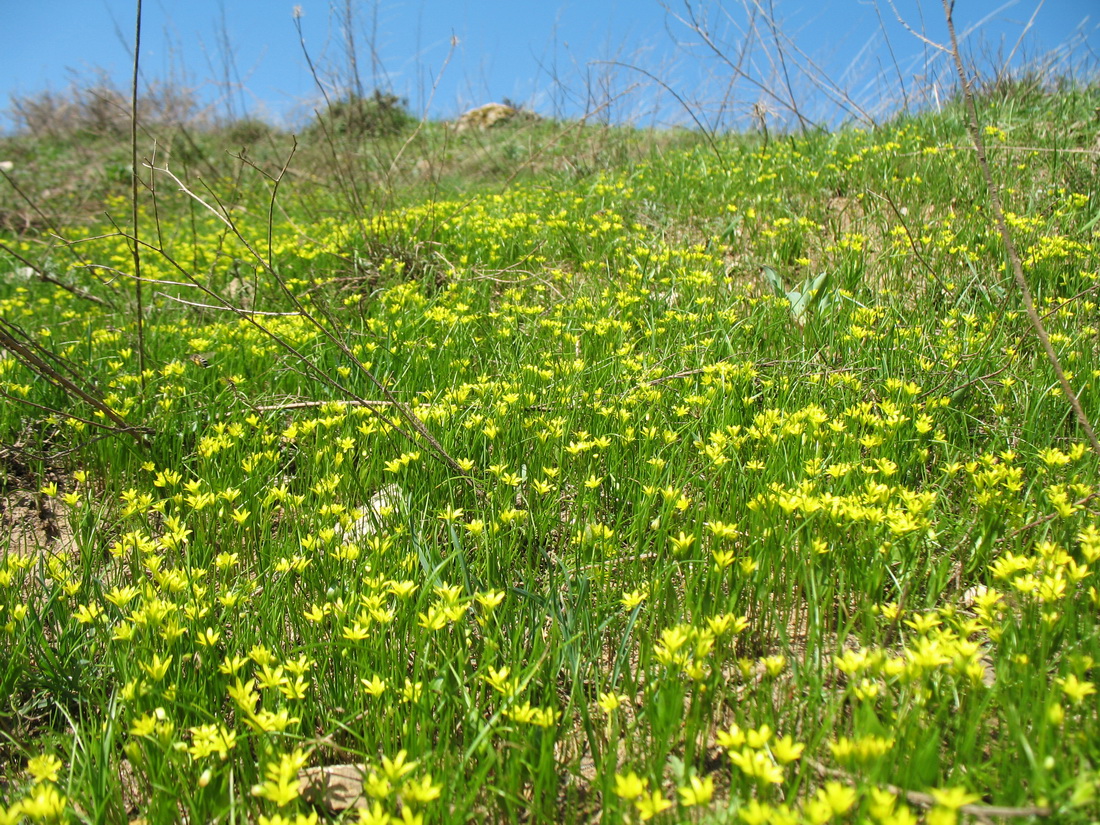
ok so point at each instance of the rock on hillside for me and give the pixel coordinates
(486, 117)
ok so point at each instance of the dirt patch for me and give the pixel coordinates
(30, 521)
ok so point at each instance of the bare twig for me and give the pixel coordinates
(912, 242)
(25, 352)
(87, 421)
(225, 308)
(1006, 236)
(893, 57)
(427, 105)
(308, 405)
(1023, 32)
(1031, 525)
(402, 408)
(905, 24)
(769, 18)
(707, 133)
(134, 212)
(926, 800)
(699, 27)
(1063, 304)
(29, 201)
(45, 276)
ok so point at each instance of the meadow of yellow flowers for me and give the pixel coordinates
(695, 557)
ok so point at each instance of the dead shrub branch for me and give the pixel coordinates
(1006, 237)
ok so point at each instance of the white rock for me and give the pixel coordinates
(387, 499)
(485, 117)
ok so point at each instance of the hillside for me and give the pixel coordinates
(552, 472)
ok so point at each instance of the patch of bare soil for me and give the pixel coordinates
(30, 521)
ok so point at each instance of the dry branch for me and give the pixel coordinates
(1002, 227)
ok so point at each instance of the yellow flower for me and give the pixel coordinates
(610, 702)
(681, 543)
(269, 722)
(774, 664)
(374, 686)
(208, 637)
(210, 739)
(298, 819)
(651, 804)
(840, 798)
(757, 765)
(398, 767)
(489, 599)
(421, 790)
(281, 786)
(43, 803)
(953, 798)
(374, 816)
(44, 768)
(732, 738)
(450, 515)
(630, 786)
(540, 717)
(633, 599)
(882, 803)
(786, 750)
(1076, 689)
(377, 786)
(755, 813)
(87, 613)
(903, 816)
(757, 739)
(817, 811)
(697, 792)
(412, 691)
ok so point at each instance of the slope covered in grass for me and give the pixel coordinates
(702, 536)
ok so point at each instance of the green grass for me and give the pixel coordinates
(710, 559)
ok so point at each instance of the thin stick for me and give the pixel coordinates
(134, 196)
(1081, 502)
(1006, 236)
(405, 411)
(1070, 300)
(30, 359)
(308, 405)
(707, 133)
(912, 242)
(225, 308)
(926, 800)
(87, 421)
(45, 276)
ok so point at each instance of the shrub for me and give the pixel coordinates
(355, 116)
(247, 132)
(101, 109)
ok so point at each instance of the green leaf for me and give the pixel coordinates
(776, 282)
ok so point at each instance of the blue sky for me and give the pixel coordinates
(626, 59)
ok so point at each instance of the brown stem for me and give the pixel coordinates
(25, 353)
(1006, 236)
(134, 197)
